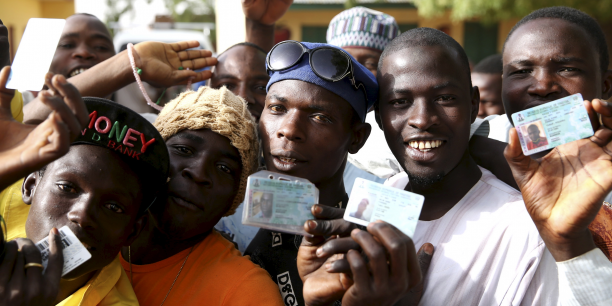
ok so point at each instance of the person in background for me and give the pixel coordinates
(487, 76)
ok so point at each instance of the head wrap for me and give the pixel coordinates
(223, 113)
(118, 128)
(362, 27)
(356, 97)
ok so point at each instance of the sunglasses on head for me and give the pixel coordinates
(330, 64)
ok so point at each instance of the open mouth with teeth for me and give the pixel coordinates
(287, 160)
(77, 71)
(425, 145)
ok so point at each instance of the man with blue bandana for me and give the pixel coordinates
(313, 118)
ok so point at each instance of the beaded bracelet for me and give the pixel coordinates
(137, 71)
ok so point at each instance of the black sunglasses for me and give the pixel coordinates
(328, 63)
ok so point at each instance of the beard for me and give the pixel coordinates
(424, 180)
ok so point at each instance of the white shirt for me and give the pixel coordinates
(487, 251)
(499, 127)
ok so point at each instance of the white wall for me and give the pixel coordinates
(230, 23)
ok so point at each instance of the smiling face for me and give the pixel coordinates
(242, 69)
(307, 131)
(205, 174)
(92, 191)
(489, 85)
(426, 107)
(85, 42)
(365, 56)
(548, 59)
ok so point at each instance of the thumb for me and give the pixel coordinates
(522, 166)
(55, 265)
(424, 256)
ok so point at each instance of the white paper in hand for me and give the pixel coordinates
(75, 253)
(35, 53)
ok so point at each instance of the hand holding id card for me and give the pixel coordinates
(370, 201)
(75, 253)
(279, 202)
(552, 124)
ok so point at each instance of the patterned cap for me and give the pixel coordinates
(362, 27)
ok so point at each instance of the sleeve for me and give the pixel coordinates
(543, 288)
(255, 288)
(480, 127)
(585, 280)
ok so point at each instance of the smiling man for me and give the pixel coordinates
(430, 99)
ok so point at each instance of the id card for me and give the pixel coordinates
(279, 202)
(555, 123)
(370, 201)
(35, 53)
(75, 254)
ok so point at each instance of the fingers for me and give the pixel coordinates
(326, 212)
(605, 110)
(359, 268)
(33, 275)
(329, 227)
(520, 164)
(424, 256)
(6, 95)
(193, 54)
(72, 97)
(593, 117)
(16, 283)
(55, 265)
(184, 45)
(55, 139)
(56, 103)
(337, 246)
(400, 249)
(377, 256)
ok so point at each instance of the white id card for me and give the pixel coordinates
(370, 201)
(35, 53)
(75, 254)
(552, 124)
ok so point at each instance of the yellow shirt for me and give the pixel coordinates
(110, 286)
(17, 106)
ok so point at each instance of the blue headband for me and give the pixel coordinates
(343, 88)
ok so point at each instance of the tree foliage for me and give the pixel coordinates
(496, 10)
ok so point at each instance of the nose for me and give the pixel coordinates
(291, 127)
(83, 52)
(82, 213)
(422, 115)
(198, 172)
(544, 84)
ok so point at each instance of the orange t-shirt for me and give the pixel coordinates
(215, 274)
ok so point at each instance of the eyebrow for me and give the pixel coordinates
(225, 76)
(189, 136)
(279, 98)
(231, 156)
(95, 36)
(554, 59)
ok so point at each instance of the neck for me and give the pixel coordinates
(332, 191)
(152, 245)
(68, 287)
(440, 197)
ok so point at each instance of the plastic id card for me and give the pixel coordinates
(552, 124)
(279, 202)
(370, 201)
(75, 253)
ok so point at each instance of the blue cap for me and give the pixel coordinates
(343, 88)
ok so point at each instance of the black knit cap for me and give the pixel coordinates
(120, 129)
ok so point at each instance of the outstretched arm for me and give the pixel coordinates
(261, 15)
(159, 62)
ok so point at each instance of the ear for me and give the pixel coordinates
(606, 88)
(361, 132)
(138, 226)
(28, 187)
(475, 102)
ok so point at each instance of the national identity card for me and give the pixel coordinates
(552, 124)
(370, 201)
(75, 253)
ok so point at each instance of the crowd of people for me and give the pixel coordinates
(158, 204)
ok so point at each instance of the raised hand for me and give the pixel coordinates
(160, 62)
(565, 189)
(21, 285)
(266, 12)
(25, 148)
